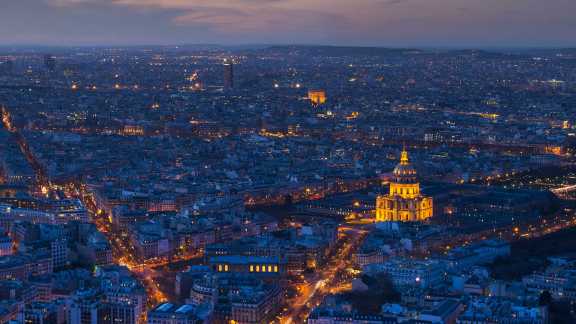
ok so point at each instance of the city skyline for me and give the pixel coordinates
(393, 23)
(287, 162)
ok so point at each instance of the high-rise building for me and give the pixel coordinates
(404, 202)
(228, 74)
(50, 62)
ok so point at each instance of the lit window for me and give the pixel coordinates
(251, 268)
(269, 268)
(219, 268)
(257, 268)
(226, 267)
(275, 268)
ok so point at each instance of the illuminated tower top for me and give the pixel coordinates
(404, 157)
(404, 172)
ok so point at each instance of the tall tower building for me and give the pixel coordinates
(228, 74)
(404, 202)
(50, 62)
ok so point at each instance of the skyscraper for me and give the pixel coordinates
(50, 62)
(228, 74)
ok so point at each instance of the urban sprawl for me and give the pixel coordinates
(287, 184)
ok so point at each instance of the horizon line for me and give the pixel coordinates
(251, 44)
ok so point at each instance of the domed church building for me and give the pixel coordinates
(404, 203)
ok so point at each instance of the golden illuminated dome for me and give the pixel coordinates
(404, 202)
(404, 172)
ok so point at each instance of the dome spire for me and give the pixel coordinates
(404, 156)
(404, 172)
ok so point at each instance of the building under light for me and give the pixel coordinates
(404, 202)
(132, 130)
(196, 83)
(317, 97)
(253, 265)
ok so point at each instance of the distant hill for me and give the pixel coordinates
(312, 50)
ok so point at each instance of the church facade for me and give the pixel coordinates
(404, 202)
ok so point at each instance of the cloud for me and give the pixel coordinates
(268, 20)
(70, 3)
(240, 17)
(187, 4)
(394, 2)
(369, 22)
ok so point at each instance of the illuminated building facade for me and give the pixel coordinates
(196, 83)
(317, 97)
(132, 130)
(259, 266)
(404, 202)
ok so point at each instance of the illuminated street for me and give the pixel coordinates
(324, 281)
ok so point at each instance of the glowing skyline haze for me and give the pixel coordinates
(457, 23)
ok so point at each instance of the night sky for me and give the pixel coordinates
(435, 23)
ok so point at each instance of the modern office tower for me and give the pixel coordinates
(228, 74)
(50, 62)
